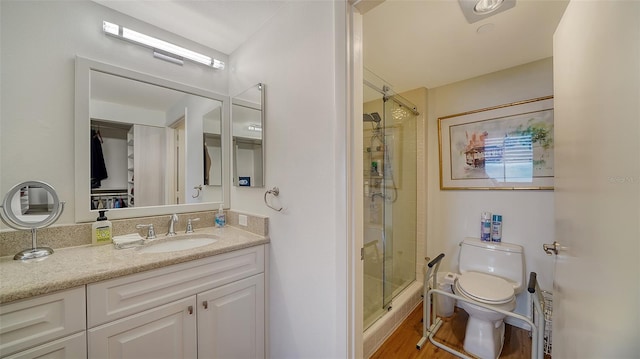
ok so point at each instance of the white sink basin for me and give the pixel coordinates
(178, 244)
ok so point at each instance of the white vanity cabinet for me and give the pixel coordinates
(51, 326)
(168, 331)
(231, 320)
(207, 308)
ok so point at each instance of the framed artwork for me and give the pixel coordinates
(503, 147)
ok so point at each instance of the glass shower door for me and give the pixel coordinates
(390, 192)
(400, 205)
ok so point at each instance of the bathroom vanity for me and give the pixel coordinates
(99, 302)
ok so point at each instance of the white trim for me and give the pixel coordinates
(355, 179)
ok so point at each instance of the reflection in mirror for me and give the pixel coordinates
(140, 135)
(247, 118)
(29, 206)
(212, 137)
(32, 204)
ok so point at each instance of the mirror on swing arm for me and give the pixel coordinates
(247, 129)
(31, 205)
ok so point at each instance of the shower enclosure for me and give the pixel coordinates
(390, 192)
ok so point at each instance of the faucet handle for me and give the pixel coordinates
(190, 225)
(151, 233)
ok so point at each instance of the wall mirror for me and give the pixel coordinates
(143, 144)
(31, 205)
(248, 120)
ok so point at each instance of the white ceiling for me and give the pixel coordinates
(429, 43)
(123, 91)
(410, 44)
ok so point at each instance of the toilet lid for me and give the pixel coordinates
(485, 287)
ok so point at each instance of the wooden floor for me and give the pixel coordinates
(402, 343)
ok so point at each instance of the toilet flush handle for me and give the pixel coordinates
(551, 248)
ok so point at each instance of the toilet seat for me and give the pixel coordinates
(485, 288)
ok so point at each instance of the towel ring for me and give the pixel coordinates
(275, 192)
(198, 188)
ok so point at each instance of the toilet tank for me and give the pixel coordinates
(504, 260)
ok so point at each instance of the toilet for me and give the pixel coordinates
(491, 273)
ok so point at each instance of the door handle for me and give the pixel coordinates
(551, 248)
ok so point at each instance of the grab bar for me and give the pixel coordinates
(436, 260)
(429, 327)
(533, 282)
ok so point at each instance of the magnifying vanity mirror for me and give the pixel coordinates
(145, 144)
(31, 205)
(248, 120)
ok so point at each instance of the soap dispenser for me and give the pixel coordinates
(220, 217)
(101, 230)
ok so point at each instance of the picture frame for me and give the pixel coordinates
(505, 147)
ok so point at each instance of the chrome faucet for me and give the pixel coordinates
(172, 220)
(151, 233)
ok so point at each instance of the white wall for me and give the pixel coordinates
(528, 216)
(40, 40)
(295, 56)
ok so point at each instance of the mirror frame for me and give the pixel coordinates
(12, 220)
(262, 88)
(83, 212)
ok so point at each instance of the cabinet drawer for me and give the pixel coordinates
(31, 322)
(120, 297)
(73, 346)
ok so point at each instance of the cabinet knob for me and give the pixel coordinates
(190, 309)
(205, 304)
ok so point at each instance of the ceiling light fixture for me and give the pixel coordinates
(162, 49)
(476, 10)
(487, 6)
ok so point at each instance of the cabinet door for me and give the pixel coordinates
(73, 346)
(168, 331)
(231, 320)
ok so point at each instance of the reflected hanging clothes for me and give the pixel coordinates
(207, 165)
(98, 167)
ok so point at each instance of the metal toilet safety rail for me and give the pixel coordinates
(429, 329)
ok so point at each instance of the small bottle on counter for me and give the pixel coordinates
(220, 220)
(485, 227)
(496, 228)
(101, 230)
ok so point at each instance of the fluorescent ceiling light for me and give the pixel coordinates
(157, 44)
(255, 127)
(476, 10)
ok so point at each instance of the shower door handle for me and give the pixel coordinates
(550, 249)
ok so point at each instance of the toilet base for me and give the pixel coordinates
(484, 339)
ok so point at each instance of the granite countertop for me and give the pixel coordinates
(71, 267)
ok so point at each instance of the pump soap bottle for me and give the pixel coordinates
(220, 217)
(101, 230)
